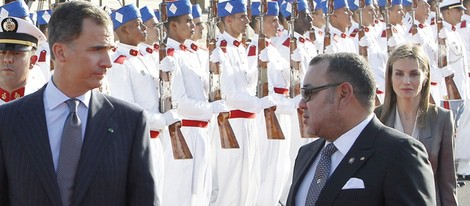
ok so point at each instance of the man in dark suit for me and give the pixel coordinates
(371, 164)
(113, 164)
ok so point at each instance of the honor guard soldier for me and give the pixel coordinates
(43, 53)
(192, 44)
(274, 154)
(340, 21)
(189, 181)
(237, 171)
(135, 79)
(18, 41)
(319, 22)
(365, 39)
(149, 48)
(457, 68)
(19, 9)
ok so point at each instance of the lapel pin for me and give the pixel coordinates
(351, 160)
(110, 130)
(363, 158)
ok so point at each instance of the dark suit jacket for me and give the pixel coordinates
(437, 136)
(393, 166)
(114, 167)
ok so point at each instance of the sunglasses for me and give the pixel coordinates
(307, 93)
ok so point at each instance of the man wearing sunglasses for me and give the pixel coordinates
(357, 160)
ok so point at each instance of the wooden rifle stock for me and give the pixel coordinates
(178, 143)
(273, 128)
(451, 87)
(227, 136)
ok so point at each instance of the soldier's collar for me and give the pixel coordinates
(9, 96)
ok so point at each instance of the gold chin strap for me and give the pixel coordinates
(16, 41)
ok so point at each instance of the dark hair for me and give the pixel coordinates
(171, 19)
(66, 21)
(414, 52)
(352, 68)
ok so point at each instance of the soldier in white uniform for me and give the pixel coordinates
(237, 171)
(319, 22)
(18, 41)
(452, 11)
(194, 44)
(189, 181)
(376, 56)
(135, 79)
(340, 21)
(44, 53)
(396, 14)
(19, 9)
(275, 161)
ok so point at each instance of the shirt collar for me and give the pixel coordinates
(55, 97)
(171, 43)
(229, 39)
(345, 141)
(127, 50)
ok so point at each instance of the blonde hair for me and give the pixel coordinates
(407, 51)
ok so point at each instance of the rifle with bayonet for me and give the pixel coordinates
(362, 49)
(327, 38)
(273, 128)
(311, 33)
(388, 26)
(451, 87)
(178, 143)
(227, 136)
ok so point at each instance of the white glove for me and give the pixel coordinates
(446, 71)
(219, 107)
(264, 55)
(267, 102)
(364, 42)
(217, 55)
(171, 117)
(443, 34)
(296, 55)
(418, 39)
(168, 64)
(329, 49)
(318, 44)
(392, 42)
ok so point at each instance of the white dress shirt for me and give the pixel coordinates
(56, 111)
(343, 144)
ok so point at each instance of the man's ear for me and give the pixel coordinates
(345, 93)
(59, 50)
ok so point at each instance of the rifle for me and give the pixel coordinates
(294, 88)
(362, 49)
(451, 87)
(273, 129)
(311, 33)
(388, 26)
(227, 136)
(327, 39)
(414, 28)
(248, 12)
(178, 144)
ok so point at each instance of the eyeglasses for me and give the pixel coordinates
(308, 92)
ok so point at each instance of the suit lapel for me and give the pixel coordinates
(306, 162)
(36, 142)
(97, 137)
(359, 153)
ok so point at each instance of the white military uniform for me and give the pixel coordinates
(275, 161)
(32, 85)
(398, 37)
(236, 176)
(188, 181)
(44, 60)
(135, 80)
(462, 80)
(319, 38)
(306, 50)
(340, 42)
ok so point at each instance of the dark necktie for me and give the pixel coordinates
(69, 155)
(322, 173)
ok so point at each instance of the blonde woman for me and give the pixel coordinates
(407, 109)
